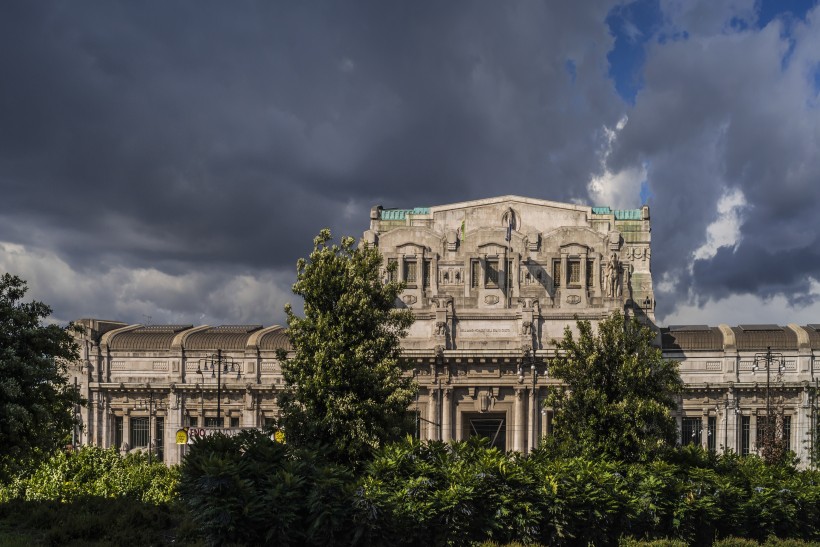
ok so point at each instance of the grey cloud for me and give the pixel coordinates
(191, 136)
(732, 110)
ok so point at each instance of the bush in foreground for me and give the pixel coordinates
(95, 472)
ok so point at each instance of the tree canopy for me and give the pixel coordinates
(617, 392)
(345, 387)
(36, 401)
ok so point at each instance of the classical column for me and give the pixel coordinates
(126, 429)
(583, 274)
(519, 421)
(755, 444)
(446, 414)
(564, 271)
(596, 273)
(432, 413)
(106, 424)
(533, 425)
(704, 430)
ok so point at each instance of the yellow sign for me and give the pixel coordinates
(182, 436)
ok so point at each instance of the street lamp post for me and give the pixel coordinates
(770, 450)
(152, 406)
(217, 365)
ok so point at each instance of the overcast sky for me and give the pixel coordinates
(170, 161)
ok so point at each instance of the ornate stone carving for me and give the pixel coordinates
(491, 299)
(573, 299)
(441, 328)
(509, 218)
(409, 299)
(526, 327)
(612, 286)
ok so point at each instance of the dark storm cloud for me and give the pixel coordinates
(726, 112)
(194, 137)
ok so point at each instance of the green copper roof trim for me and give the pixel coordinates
(620, 214)
(401, 214)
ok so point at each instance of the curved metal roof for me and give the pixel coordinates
(692, 337)
(277, 339)
(148, 337)
(225, 337)
(760, 337)
(813, 331)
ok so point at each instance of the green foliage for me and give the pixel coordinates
(94, 521)
(617, 392)
(36, 401)
(249, 489)
(94, 472)
(464, 492)
(346, 390)
(432, 493)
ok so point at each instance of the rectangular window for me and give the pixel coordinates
(574, 272)
(474, 274)
(787, 432)
(410, 272)
(510, 275)
(117, 432)
(160, 437)
(234, 421)
(690, 431)
(711, 440)
(139, 432)
(590, 273)
(556, 273)
(744, 435)
(491, 274)
(193, 421)
(270, 422)
(426, 274)
(392, 268)
(214, 422)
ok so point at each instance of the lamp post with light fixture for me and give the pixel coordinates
(218, 364)
(773, 446)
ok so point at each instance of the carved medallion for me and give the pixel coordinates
(409, 299)
(573, 299)
(491, 299)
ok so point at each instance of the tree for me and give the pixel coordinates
(36, 401)
(617, 393)
(346, 390)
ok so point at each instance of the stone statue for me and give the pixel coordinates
(611, 285)
(441, 328)
(526, 327)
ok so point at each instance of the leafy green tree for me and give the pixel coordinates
(36, 401)
(617, 392)
(346, 389)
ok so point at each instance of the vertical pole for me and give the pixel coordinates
(150, 431)
(74, 425)
(769, 429)
(219, 387)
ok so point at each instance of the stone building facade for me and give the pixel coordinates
(491, 284)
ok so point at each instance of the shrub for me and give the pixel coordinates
(250, 489)
(95, 472)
